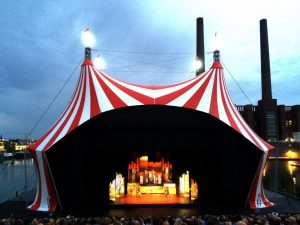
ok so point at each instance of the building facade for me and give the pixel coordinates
(281, 124)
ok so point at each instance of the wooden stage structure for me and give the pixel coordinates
(152, 199)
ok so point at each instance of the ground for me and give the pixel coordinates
(284, 205)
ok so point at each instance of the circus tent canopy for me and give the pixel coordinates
(97, 92)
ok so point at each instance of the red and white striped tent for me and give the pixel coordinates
(97, 92)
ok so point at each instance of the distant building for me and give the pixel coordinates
(14, 145)
(2, 148)
(284, 125)
(21, 147)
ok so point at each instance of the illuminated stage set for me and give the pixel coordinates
(152, 183)
(123, 143)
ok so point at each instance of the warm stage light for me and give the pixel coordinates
(87, 38)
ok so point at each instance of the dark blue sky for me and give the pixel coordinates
(40, 48)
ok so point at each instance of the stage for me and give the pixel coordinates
(152, 199)
(18, 205)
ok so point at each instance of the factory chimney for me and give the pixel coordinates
(265, 62)
(200, 45)
(267, 106)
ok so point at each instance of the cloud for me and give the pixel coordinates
(41, 46)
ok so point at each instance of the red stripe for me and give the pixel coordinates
(253, 191)
(36, 204)
(193, 102)
(238, 116)
(82, 83)
(87, 62)
(216, 65)
(163, 100)
(78, 113)
(246, 127)
(94, 107)
(136, 95)
(214, 96)
(225, 106)
(270, 147)
(264, 199)
(115, 101)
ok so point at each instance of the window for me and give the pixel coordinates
(271, 124)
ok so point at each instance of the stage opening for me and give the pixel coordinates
(86, 161)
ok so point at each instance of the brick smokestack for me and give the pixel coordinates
(265, 62)
(267, 107)
(200, 45)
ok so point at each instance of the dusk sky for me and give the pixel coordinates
(143, 42)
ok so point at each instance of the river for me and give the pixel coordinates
(283, 176)
(12, 178)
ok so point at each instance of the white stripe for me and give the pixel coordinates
(38, 186)
(86, 112)
(258, 198)
(73, 115)
(73, 96)
(44, 189)
(47, 139)
(43, 209)
(154, 93)
(182, 99)
(130, 101)
(103, 101)
(164, 91)
(260, 145)
(231, 107)
(222, 113)
(204, 104)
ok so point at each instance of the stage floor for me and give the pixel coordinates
(152, 199)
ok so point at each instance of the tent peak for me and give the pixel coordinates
(216, 55)
(87, 53)
(217, 63)
(87, 56)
